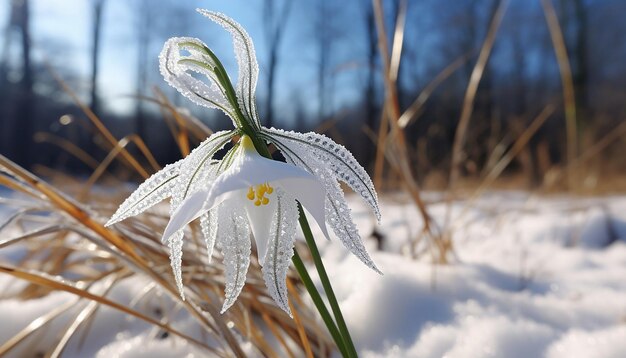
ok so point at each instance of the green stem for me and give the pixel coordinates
(341, 336)
(330, 294)
(319, 303)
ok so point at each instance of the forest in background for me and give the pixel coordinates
(342, 92)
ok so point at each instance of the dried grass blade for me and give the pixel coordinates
(569, 100)
(119, 147)
(193, 124)
(35, 325)
(35, 233)
(180, 134)
(82, 316)
(71, 148)
(506, 159)
(60, 286)
(296, 317)
(17, 185)
(411, 113)
(398, 41)
(96, 121)
(470, 93)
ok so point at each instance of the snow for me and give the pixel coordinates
(532, 277)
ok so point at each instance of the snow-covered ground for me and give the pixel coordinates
(535, 277)
(532, 277)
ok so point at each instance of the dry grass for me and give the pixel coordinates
(392, 144)
(68, 249)
(505, 146)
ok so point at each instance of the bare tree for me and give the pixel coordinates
(581, 75)
(371, 101)
(24, 126)
(5, 144)
(6, 44)
(275, 20)
(325, 36)
(97, 9)
(145, 15)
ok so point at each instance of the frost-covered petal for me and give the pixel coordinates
(311, 195)
(234, 234)
(337, 212)
(338, 216)
(259, 218)
(191, 209)
(246, 61)
(250, 169)
(177, 71)
(175, 244)
(342, 163)
(152, 191)
(281, 242)
(198, 169)
(209, 227)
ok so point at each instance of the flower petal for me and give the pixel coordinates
(176, 69)
(338, 215)
(246, 61)
(281, 242)
(260, 218)
(152, 191)
(337, 212)
(209, 227)
(342, 163)
(251, 169)
(197, 169)
(188, 211)
(234, 234)
(175, 244)
(311, 194)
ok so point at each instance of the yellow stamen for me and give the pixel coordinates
(257, 194)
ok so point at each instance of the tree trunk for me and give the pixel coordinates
(143, 39)
(324, 52)
(371, 108)
(24, 127)
(581, 75)
(95, 52)
(274, 26)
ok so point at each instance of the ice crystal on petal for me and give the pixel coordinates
(234, 234)
(342, 163)
(280, 249)
(175, 69)
(339, 216)
(156, 188)
(209, 227)
(175, 244)
(198, 170)
(337, 212)
(246, 61)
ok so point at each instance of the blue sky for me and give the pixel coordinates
(66, 23)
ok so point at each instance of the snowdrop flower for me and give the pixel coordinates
(257, 195)
(245, 193)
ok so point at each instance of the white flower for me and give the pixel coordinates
(255, 194)
(245, 193)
